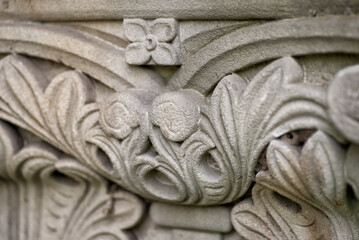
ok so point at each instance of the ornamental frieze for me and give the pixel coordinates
(179, 123)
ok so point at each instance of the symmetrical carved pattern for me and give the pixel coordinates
(153, 42)
(222, 136)
(265, 139)
(178, 146)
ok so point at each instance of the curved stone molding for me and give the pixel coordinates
(77, 49)
(255, 136)
(256, 44)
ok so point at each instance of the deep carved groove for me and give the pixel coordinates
(287, 203)
(104, 159)
(62, 178)
(209, 168)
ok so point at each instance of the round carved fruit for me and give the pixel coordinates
(343, 100)
(177, 113)
(121, 112)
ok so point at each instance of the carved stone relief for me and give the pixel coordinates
(154, 42)
(164, 128)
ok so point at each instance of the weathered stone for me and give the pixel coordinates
(352, 168)
(152, 42)
(343, 100)
(214, 219)
(145, 120)
(185, 234)
(186, 9)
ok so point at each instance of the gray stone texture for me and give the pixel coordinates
(161, 120)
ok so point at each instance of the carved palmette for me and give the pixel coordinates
(188, 148)
(178, 146)
(204, 150)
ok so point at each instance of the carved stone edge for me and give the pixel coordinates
(187, 9)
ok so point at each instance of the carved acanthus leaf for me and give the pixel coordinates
(312, 178)
(178, 146)
(204, 151)
(272, 216)
(276, 102)
(62, 112)
(213, 152)
(69, 200)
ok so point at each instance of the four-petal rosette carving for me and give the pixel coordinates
(224, 116)
(152, 42)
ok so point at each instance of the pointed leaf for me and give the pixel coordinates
(322, 165)
(224, 102)
(64, 98)
(21, 88)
